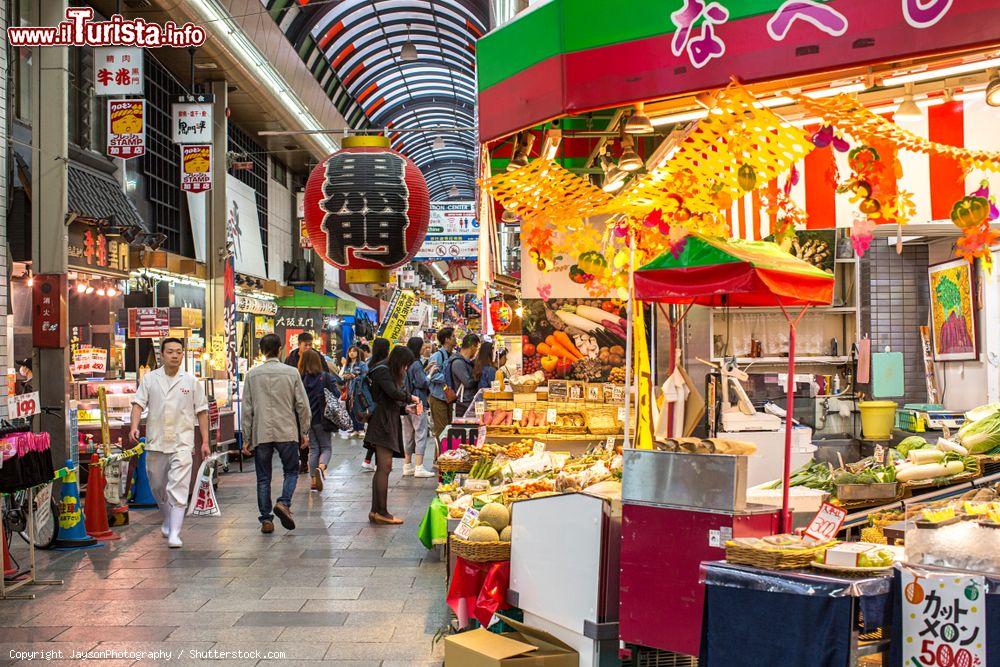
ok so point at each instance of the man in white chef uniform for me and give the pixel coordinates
(173, 400)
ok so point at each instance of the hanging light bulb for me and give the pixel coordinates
(88, 290)
(31, 279)
(629, 160)
(908, 108)
(614, 178)
(508, 217)
(993, 90)
(453, 191)
(522, 149)
(101, 291)
(438, 143)
(111, 291)
(638, 122)
(408, 53)
(81, 288)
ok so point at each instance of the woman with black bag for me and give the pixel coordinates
(317, 382)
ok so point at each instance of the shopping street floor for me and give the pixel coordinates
(334, 589)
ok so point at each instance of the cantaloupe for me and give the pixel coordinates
(495, 515)
(505, 534)
(484, 534)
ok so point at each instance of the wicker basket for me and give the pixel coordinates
(480, 552)
(773, 559)
(532, 430)
(596, 430)
(568, 430)
(525, 387)
(501, 430)
(446, 465)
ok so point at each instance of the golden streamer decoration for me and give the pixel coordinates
(847, 113)
(543, 191)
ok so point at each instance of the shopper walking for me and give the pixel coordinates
(353, 367)
(384, 436)
(173, 400)
(276, 418)
(317, 382)
(380, 353)
(417, 443)
(441, 409)
(460, 374)
(484, 369)
(305, 341)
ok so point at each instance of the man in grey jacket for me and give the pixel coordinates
(276, 417)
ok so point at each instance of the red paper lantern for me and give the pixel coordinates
(366, 207)
(501, 315)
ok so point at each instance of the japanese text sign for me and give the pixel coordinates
(126, 128)
(48, 303)
(148, 322)
(196, 167)
(192, 122)
(24, 405)
(944, 619)
(826, 524)
(393, 324)
(468, 523)
(118, 70)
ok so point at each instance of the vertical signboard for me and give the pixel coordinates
(118, 70)
(126, 128)
(196, 167)
(192, 120)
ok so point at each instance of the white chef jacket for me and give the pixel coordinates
(172, 404)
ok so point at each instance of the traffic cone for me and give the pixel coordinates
(142, 496)
(72, 534)
(8, 564)
(95, 509)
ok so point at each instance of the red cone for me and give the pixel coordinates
(95, 509)
(8, 564)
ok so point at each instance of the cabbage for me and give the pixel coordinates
(909, 444)
(981, 436)
(982, 411)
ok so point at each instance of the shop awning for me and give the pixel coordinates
(347, 304)
(303, 299)
(95, 196)
(733, 272)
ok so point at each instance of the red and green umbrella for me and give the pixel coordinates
(732, 272)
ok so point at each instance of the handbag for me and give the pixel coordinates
(335, 412)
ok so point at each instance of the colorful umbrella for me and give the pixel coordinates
(734, 272)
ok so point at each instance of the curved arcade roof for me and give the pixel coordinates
(353, 48)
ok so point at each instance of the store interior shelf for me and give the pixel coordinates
(777, 309)
(550, 437)
(799, 359)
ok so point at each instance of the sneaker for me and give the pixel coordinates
(407, 469)
(423, 472)
(284, 516)
(317, 480)
(267, 527)
(368, 466)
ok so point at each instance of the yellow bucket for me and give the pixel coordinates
(877, 419)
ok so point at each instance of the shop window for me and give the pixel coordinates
(279, 171)
(21, 12)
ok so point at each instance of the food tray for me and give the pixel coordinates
(774, 559)
(501, 430)
(445, 465)
(847, 569)
(532, 430)
(946, 481)
(933, 525)
(855, 492)
(480, 552)
(568, 429)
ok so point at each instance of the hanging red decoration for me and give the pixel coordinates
(366, 208)
(501, 314)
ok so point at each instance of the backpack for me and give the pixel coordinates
(362, 403)
(453, 392)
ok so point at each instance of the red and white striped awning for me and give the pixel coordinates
(935, 182)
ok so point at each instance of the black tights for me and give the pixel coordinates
(380, 481)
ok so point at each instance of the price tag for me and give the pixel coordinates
(24, 405)
(518, 414)
(880, 454)
(480, 408)
(550, 415)
(473, 484)
(826, 524)
(468, 522)
(621, 413)
(538, 448)
(609, 444)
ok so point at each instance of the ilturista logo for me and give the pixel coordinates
(79, 29)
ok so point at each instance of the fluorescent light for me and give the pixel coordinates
(835, 90)
(778, 101)
(929, 74)
(679, 117)
(232, 33)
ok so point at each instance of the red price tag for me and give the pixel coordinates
(24, 405)
(826, 524)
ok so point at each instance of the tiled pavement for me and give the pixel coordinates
(335, 589)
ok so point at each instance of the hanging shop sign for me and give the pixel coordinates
(393, 323)
(448, 247)
(452, 232)
(192, 120)
(366, 209)
(306, 319)
(89, 361)
(126, 128)
(610, 54)
(89, 249)
(118, 70)
(148, 322)
(196, 167)
(944, 618)
(49, 311)
(255, 306)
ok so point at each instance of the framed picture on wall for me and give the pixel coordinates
(953, 310)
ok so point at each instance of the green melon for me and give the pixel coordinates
(483, 534)
(496, 515)
(505, 534)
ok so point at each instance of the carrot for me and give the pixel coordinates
(567, 342)
(561, 351)
(543, 349)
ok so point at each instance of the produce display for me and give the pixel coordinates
(578, 339)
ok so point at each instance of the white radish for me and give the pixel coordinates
(920, 456)
(946, 445)
(597, 315)
(929, 471)
(574, 320)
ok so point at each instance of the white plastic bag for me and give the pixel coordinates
(203, 502)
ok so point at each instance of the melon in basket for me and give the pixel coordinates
(496, 515)
(484, 534)
(505, 534)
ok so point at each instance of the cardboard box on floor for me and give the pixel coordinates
(526, 646)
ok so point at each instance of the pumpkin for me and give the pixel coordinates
(746, 178)
(970, 211)
(593, 262)
(577, 275)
